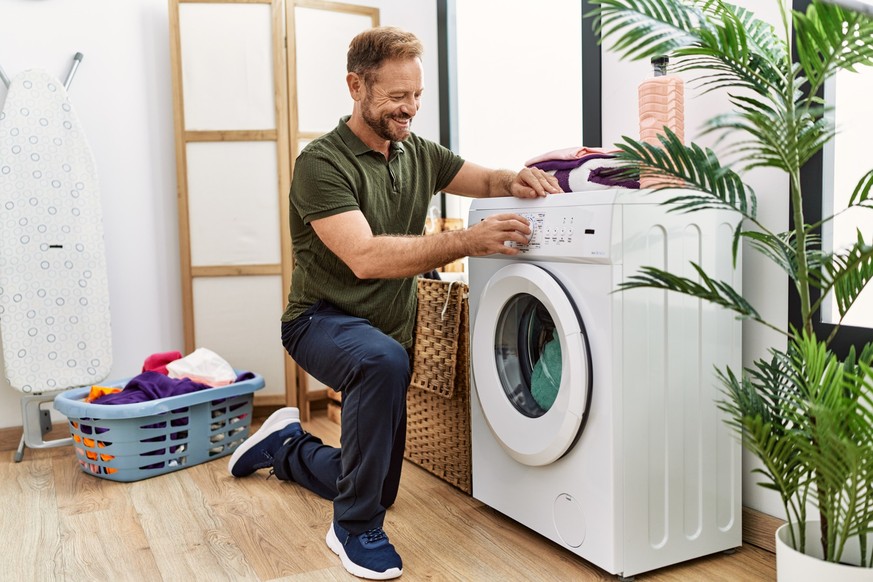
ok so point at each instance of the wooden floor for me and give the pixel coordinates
(202, 524)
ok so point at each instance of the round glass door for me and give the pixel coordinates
(527, 353)
(531, 364)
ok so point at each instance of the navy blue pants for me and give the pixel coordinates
(372, 371)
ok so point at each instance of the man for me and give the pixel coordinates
(359, 198)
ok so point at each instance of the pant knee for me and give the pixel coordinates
(391, 365)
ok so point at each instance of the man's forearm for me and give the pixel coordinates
(500, 183)
(391, 257)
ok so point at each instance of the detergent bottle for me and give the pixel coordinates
(662, 104)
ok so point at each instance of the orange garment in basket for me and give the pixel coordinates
(98, 391)
(91, 454)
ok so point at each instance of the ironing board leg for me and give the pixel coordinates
(19, 452)
(36, 422)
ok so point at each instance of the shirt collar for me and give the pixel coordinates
(356, 145)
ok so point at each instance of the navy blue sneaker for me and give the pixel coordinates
(367, 555)
(258, 450)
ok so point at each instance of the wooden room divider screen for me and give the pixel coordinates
(253, 82)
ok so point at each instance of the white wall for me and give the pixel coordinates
(123, 97)
(519, 94)
(850, 160)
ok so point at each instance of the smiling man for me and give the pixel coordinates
(359, 199)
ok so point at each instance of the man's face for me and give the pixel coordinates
(393, 98)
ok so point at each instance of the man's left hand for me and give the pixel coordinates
(534, 183)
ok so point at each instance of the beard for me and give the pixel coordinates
(381, 126)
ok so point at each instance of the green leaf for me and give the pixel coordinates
(846, 273)
(861, 194)
(706, 182)
(829, 38)
(716, 292)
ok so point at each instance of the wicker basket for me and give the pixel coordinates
(438, 401)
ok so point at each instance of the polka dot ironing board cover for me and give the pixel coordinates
(54, 293)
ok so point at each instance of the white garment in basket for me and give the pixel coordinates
(54, 293)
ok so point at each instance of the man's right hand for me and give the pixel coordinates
(491, 235)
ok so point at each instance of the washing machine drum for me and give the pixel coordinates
(531, 364)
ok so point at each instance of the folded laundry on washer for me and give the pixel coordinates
(573, 153)
(581, 169)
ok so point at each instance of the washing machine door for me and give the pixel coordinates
(531, 364)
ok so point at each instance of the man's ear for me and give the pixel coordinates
(356, 86)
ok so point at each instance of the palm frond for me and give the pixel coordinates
(760, 407)
(706, 182)
(846, 273)
(836, 424)
(647, 28)
(830, 38)
(708, 289)
(710, 35)
(774, 139)
(744, 48)
(776, 247)
(861, 193)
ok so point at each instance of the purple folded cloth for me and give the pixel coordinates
(549, 165)
(153, 385)
(614, 177)
(603, 175)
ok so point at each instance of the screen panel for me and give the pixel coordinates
(233, 206)
(322, 40)
(227, 66)
(238, 318)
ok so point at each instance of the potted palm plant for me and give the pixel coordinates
(804, 412)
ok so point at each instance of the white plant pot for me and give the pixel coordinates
(795, 566)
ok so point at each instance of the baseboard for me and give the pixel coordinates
(10, 437)
(759, 529)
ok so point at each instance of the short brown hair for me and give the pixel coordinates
(371, 48)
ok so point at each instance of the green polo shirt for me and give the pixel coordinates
(337, 173)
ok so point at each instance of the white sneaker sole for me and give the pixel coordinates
(276, 421)
(337, 548)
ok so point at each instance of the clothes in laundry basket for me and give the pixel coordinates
(546, 375)
(153, 385)
(158, 362)
(203, 366)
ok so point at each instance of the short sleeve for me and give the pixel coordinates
(446, 162)
(319, 188)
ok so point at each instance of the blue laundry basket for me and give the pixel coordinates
(131, 442)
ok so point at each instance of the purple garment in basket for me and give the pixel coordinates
(153, 385)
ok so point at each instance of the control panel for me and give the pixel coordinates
(569, 233)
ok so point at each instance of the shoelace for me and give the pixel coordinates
(375, 534)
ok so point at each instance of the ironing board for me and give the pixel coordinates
(54, 293)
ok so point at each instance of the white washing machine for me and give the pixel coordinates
(594, 411)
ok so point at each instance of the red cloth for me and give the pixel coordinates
(158, 362)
